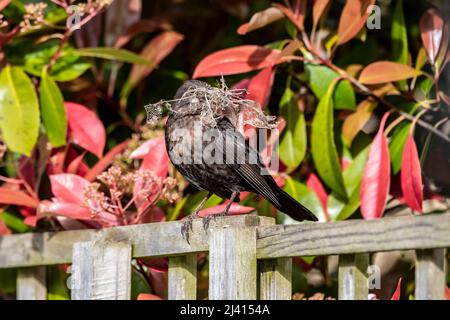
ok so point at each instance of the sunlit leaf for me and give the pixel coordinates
(411, 175)
(16, 197)
(306, 196)
(356, 121)
(19, 110)
(52, 110)
(324, 151)
(260, 87)
(112, 54)
(386, 71)
(261, 19)
(432, 30)
(298, 18)
(318, 9)
(397, 143)
(353, 18)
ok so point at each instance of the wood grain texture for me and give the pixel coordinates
(353, 283)
(183, 277)
(153, 239)
(232, 264)
(275, 279)
(101, 271)
(355, 236)
(430, 274)
(31, 283)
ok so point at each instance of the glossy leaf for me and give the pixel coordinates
(16, 197)
(154, 52)
(86, 129)
(19, 110)
(293, 141)
(114, 54)
(377, 176)
(52, 110)
(154, 155)
(352, 20)
(386, 71)
(432, 31)
(68, 187)
(319, 8)
(236, 60)
(66, 209)
(306, 196)
(397, 144)
(261, 19)
(324, 151)
(321, 77)
(399, 35)
(260, 87)
(411, 175)
(356, 121)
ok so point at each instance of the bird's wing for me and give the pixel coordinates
(251, 173)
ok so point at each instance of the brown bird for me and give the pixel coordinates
(214, 172)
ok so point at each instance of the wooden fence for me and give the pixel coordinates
(249, 256)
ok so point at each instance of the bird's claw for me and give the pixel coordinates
(186, 228)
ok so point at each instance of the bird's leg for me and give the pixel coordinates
(187, 224)
(207, 219)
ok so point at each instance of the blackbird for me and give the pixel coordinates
(217, 172)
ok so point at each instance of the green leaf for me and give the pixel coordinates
(13, 222)
(67, 67)
(397, 143)
(57, 284)
(352, 175)
(308, 198)
(19, 110)
(52, 110)
(399, 38)
(320, 79)
(293, 142)
(8, 280)
(323, 147)
(112, 54)
(138, 284)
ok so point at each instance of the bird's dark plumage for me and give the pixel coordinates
(226, 179)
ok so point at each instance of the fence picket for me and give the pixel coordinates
(275, 276)
(430, 274)
(101, 271)
(183, 277)
(31, 283)
(232, 264)
(353, 276)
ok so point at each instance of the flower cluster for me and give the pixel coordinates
(3, 22)
(33, 17)
(121, 198)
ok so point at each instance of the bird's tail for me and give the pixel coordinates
(291, 207)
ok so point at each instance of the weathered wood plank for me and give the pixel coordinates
(31, 283)
(355, 236)
(153, 239)
(232, 264)
(183, 277)
(101, 271)
(275, 279)
(430, 274)
(353, 277)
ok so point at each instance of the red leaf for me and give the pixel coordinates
(75, 164)
(141, 26)
(16, 197)
(68, 187)
(411, 175)
(353, 18)
(314, 184)
(396, 294)
(260, 87)
(235, 209)
(260, 19)
(155, 156)
(3, 4)
(4, 229)
(376, 177)
(298, 17)
(243, 84)
(148, 296)
(431, 30)
(86, 129)
(318, 9)
(67, 209)
(386, 71)
(236, 60)
(104, 162)
(447, 293)
(31, 221)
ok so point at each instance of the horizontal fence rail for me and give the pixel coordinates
(249, 256)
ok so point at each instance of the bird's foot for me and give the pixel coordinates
(207, 220)
(186, 228)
